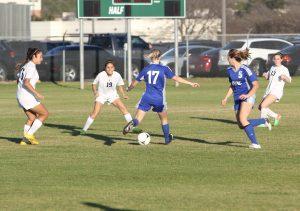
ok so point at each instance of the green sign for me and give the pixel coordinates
(131, 8)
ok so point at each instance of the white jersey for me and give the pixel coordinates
(25, 97)
(276, 85)
(107, 85)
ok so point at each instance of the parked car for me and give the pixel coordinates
(21, 46)
(114, 43)
(168, 58)
(94, 59)
(291, 59)
(259, 48)
(206, 63)
(7, 62)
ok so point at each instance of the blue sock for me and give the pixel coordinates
(166, 130)
(256, 122)
(135, 122)
(249, 130)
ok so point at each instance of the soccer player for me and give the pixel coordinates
(277, 76)
(154, 97)
(107, 81)
(243, 86)
(29, 98)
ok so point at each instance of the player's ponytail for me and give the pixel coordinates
(154, 55)
(239, 55)
(29, 55)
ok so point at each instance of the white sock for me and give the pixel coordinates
(128, 117)
(263, 113)
(26, 128)
(88, 123)
(271, 113)
(35, 126)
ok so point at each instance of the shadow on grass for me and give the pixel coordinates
(197, 140)
(14, 140)
(75, 131)
(227, 121)
(103, 207)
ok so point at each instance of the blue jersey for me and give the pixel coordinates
(241, 80)
(155, 76)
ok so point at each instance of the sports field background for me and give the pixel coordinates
(209, 166)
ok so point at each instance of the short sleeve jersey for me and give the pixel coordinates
(155, 76)
(107, 85)
(241, 80)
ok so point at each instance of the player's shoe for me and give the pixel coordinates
(254, 146)
(136, 130)
(262, 125)
(268, 124)
(82, 132)
(276, 122)
(171, 138)
(31, 139)
(128, 127)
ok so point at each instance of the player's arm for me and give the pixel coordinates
(285, 78)
(228, 94)
(31, 89)
(251, 92)
(266, 75)
(132, 85)
(121, 90)
(183, 81)
(94, 89)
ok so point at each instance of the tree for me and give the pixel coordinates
(200, 14)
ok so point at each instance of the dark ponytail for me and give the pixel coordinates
(239, 55)
(29, 55)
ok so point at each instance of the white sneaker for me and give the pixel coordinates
(268, 124)
(254, 146)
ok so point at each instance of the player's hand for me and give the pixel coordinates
(96, 95)
(244, 97)
(195, 85)
(39, 96)
(224, 102)
(266, 75)
(125, 97)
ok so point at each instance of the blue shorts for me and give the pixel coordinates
(238, 102)
(146, 105)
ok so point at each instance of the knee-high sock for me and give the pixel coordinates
(128, 117)
(166, 131)
(263, 113)
(88, 123)
(249, 130)
(26, 128)
(35, 126)
(256, 122)
(271, 113)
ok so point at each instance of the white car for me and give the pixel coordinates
(259, 49)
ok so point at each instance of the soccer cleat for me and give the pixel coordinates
(32, 140)
(82, 132)
(171, 138)
(22, 143)
(276, 122)
(128, 127)
(136, 130)
(268, 124)
(262, 125)
(254, 146)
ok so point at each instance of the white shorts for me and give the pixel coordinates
(277, 94)
(28, 102)
(107, 99)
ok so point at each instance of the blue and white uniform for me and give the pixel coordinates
(241, 83)
(154, 97)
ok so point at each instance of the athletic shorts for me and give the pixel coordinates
(107, 99)
(146, 105)
(28, 102)
(238, 102)
(278, 95)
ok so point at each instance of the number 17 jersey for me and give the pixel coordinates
(155, 76)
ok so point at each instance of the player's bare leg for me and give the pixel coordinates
(96, 110)
(266, 111)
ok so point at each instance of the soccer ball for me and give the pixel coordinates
(144, 138)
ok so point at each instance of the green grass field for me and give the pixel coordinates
(208, 167)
